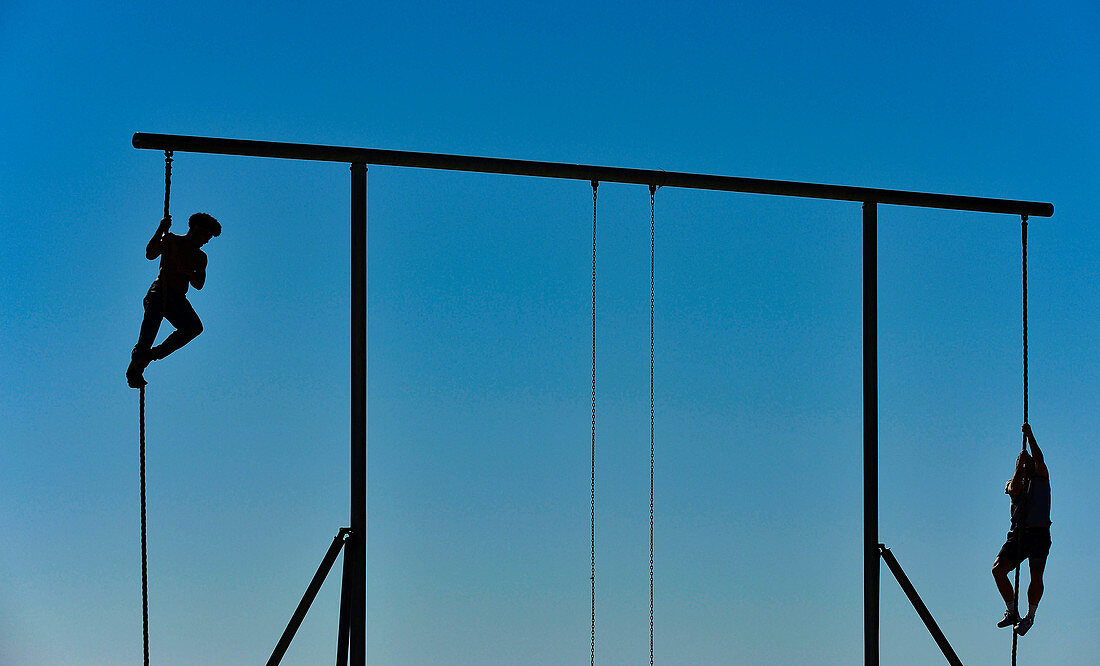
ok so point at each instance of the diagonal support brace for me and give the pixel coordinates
(307, 599)
(922, 610)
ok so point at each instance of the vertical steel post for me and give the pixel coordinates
(870, 434)
(356, 546)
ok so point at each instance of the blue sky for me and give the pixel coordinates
(480, 339)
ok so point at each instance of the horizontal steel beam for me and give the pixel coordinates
(401, 158)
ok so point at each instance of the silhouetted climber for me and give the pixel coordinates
(1029, 489)
(182, 264)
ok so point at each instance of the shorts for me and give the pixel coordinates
(1029, 543)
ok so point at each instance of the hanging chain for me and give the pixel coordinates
(595, 185)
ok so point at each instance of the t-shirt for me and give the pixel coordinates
(1036, 506)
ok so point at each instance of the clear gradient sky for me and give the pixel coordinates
(479, 330)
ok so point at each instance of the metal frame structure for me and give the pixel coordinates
(352, 641)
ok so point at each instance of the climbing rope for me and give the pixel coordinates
(167, 179)
(1020, 508)
(1023, 245)
(595, 185)
(141, 431)
(144, 552)
(652, 275)
(167, 198)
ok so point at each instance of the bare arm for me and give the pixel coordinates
(153, 249)
(1036, 452)
(1015, 485)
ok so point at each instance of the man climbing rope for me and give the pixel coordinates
(182, 264)
(1029, 490)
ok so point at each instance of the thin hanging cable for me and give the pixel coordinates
(595, 185)
(652, 300)
(1023, 445)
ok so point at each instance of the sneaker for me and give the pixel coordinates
(139, 360)
(1023, 625)
(1010, 618)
